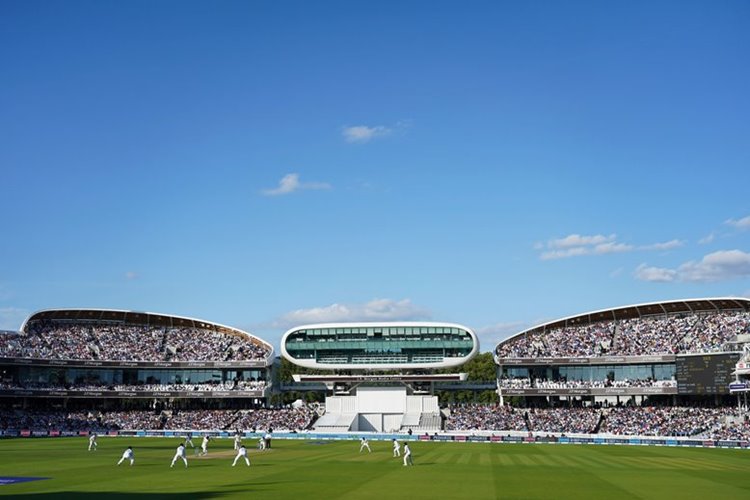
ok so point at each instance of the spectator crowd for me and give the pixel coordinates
(240, 385)
(119, 342)
(538, 383)
(699, 422)
(695, 333)
(485, 417)
(291, 419)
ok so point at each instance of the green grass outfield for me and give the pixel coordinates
(305, 470)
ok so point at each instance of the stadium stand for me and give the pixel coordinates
(527, 383)
(239, 385)
(94, 420)
(711, 423)
(670, 334)
(103, 341)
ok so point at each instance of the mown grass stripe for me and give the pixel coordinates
(503, 460)
(587, 462)
(337, 471)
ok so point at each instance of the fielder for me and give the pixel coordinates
(204, 445)
(261, 443)
(242, 452)
(180, 453)
(127, 455)
(237, 441)
(364, 444)
(92, 442)
(396, 448)
(407, 455)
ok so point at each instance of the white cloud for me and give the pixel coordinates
(375, 310)
(575, 245)
(718, 266)
(667, 245)
(743, 223)
(708, 239)
(362, 133)
(564, 254)
(611, 247)
(723, 265)
(131, 275)
(657, 274)
(11, 318)
(577, 240)
(291, 183)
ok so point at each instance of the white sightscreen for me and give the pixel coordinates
(381, 400)
(392, 422)
(370, 422)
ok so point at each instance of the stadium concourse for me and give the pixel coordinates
(649, 370)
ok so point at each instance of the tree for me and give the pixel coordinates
(481, 368)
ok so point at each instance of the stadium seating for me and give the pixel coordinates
(712, 423)
(121, 342)
(693, 333)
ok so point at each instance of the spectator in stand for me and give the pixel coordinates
(526, 383)
(484, 417)
(125, 342)
(653, 335)
(709, 423)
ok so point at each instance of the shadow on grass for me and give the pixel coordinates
(91, 495)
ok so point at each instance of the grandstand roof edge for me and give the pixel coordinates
(612, 309)
(126, 311)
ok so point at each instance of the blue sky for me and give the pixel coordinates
(260, 165)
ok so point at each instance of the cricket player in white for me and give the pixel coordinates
(92, 442)
(180, 453)
(407, 455)
(364, 444)
(204, 445)
(237, 441)
(396, 448)
(127, 455)
(242, 452)
(261, 443)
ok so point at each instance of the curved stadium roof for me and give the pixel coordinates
(687, 306)
(140, 318)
